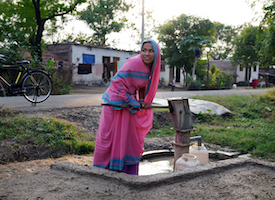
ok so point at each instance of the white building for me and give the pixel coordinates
(91, 63)
(246, 74)
(95, 62)
(242, 75)
(167, 74)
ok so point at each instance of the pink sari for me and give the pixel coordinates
(121, 132)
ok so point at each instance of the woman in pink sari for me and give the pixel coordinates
(121, 132)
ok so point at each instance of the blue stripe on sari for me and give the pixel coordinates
(131, 74)
(118, 164)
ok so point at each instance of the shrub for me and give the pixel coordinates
(61, 78)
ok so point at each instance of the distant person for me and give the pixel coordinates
(173, 84)
(121, 132)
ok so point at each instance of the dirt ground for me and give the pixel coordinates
(36, 180)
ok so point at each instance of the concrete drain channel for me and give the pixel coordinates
(243, 162)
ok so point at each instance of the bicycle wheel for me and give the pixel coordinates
(105, 81)
(2, 90)
(37, 86)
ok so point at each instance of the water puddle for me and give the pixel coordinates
(160, 164)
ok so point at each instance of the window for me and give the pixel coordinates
(88, 59)
(106, 59)
(84, 68)
(255, 68)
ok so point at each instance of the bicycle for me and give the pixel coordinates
(34, 84)
(103, 82)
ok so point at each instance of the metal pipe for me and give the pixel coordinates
(125, 105)
(197, 138)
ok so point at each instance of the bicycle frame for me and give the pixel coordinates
(19, 76)
(35, 84)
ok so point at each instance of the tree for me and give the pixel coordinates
(102, 16)
(182, 36)
(247, 47)
(23, 22)
(225, 35)
(267, 34)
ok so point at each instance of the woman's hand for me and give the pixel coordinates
(144, 104)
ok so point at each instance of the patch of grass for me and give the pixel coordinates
(161, 132)
(161, 128)
(270, 95)
(48, 133)
(251, 129)
(160, 110)
(7, 111)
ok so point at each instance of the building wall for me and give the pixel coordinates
(255, 72)
(240, 73)
(168, 74)
(99, 53)
(245, 75)
(164, 73)
(62, 50)
(74, 53)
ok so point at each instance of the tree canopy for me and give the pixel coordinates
(23, 22)
(224, 37)
(247, 47)
(102, 16)
(267, 33)
(182, 37)
(257, 43)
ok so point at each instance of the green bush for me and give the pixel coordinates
(49, 133)
(60, 78)
(224, 79)
(270, 95)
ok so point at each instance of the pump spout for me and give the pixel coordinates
(196, 138)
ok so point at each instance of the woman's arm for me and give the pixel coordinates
(141, 93)
(141, 98)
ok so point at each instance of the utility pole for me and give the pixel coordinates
(142, 32)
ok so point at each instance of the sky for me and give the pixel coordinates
(233, 12)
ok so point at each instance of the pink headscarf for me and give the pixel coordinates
(154, 81)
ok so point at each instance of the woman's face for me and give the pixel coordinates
(147, 54)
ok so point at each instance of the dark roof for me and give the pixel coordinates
(93, 46)
(224, 65)
(268, 72)
(47, 55)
